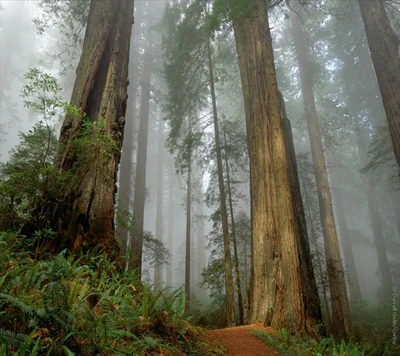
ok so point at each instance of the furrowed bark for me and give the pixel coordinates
(85, 217)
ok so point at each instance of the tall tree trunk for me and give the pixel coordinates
(229, 289)
(141, 161)
(309, 281)
(126, 173)
(319, 262)
(384, 46)
(170, 232)
(354, 283)
(201, 247)
(279, 296)
(373, 209)
(341, 320)
(160, 201)
(234, 240)
(86, 217)
(188, 222)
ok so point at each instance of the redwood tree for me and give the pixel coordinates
(280, 287)
(85, 216)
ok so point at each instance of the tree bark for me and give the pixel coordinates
(309, 281)
(279, 296)
(341, 320)
(141, 161)
(384, 46)
(229, 289)
(85, 218)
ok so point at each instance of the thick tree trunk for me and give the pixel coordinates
(279, 296)
(341, 321)
(229, 289)
(373, 210)
(160, 201)
(308, 276)
(141, 161)
(86, 216)
(384, 46)
(234, 240)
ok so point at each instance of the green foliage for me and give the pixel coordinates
(93, 146)
(28, 181)
(230, 10)
(373, 333)
(154, 251)
(84, 305)
(290, 345)
(70, 18)
(381, 154)
(43, 91)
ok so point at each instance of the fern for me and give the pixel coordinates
(9, 337)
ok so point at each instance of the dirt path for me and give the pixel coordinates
(240, 341)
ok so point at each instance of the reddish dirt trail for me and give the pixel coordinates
(240, 340)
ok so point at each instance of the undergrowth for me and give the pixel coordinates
(293, 345)
(83, 305)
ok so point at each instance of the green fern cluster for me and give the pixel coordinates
(83, 305)
(293, 345)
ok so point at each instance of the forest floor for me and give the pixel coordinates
(240, 340)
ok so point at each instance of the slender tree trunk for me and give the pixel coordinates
(341, 320)
(384, 46)
(354, 283)
(126, 172)
(319, 263)
(141, 161)
(160, 201)
(234, 240)
(373, 209)
(229, 289)
(85, 218)
(201, 248)
(171, 204)
(279, 296)
(188, 223)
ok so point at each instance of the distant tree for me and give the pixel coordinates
(136, 248)
(186, 78)
(341, 321)
(160, 199)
